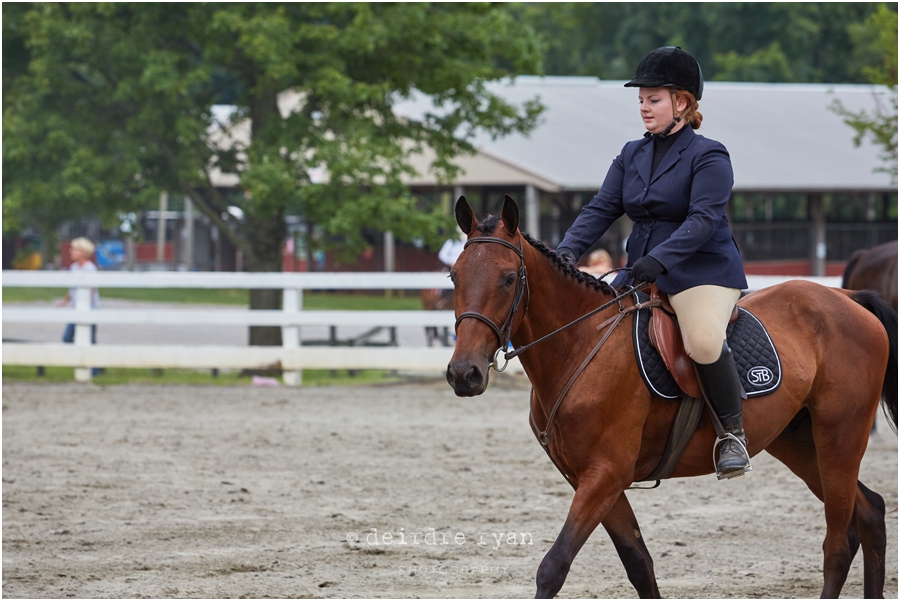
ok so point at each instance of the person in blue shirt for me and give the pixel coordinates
(674, 185)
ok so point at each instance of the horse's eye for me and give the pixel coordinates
(510, 280)
(452, 277)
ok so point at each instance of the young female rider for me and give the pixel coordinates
(675, 185)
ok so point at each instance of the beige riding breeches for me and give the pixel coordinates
(703, 313)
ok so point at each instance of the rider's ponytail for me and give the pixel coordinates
(691, 114)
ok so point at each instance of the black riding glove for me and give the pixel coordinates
(567, 255)
(646, 269)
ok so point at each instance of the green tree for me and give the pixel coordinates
(733, 41)
(55, 167)
(880, 125)
(120, 96)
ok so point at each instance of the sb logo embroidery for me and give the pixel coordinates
(760, 376)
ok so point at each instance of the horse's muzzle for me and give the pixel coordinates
(467, 377)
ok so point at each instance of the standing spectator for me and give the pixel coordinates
(599, 263)
(442, 299)
(81, 251)
(452, 248)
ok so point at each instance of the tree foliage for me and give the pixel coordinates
(733, 41)
(105, 105)
(881, 124)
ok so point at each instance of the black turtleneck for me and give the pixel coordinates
(661, 146)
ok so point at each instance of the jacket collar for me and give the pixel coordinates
(643, 158)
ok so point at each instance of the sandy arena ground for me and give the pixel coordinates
(253, 492)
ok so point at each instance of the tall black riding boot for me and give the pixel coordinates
(722, 387)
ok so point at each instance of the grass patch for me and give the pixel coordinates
(206, 296)
(117, 376)
(347, 301)
(14, 294)
(360, 302)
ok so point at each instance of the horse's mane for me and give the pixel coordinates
(490, 223)
(573, 272)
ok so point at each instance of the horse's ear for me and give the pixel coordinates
(465, 218)
(510, 214)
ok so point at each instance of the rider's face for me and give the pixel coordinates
(656, 108)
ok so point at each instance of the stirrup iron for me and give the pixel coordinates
(739, 471)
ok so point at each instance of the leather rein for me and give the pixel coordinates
(504, 332)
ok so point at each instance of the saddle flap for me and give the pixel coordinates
(665, 336)
(659, 349)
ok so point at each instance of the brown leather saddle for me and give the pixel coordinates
(665, 336)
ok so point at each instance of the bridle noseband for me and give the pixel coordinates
(503, 332)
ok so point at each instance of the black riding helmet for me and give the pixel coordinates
(669, 67)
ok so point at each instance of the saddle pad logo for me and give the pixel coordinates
(760, 376)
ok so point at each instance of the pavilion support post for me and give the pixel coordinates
(818, 246)
(532, 212)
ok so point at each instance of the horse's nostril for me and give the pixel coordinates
(465, 379)
(473, 375)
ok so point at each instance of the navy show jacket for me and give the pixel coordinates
(679, 214)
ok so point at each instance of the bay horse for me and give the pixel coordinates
(839, 357)
(874, 269)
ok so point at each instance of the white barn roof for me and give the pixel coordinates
(781, 136)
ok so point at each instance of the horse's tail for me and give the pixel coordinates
(873, 302)
(851, 263)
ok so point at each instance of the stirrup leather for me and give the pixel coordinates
(739, 471)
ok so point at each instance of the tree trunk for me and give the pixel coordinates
(266, 235)
(265, 230)
(49, 245)
(261, 299)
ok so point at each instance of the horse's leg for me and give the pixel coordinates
(595, 495)
(796, 449)
(873, 534)
(623, 529)
(840, 446)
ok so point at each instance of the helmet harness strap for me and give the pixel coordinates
(675, 118)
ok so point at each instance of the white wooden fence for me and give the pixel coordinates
(290, 357)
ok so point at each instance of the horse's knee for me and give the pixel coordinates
(838, 555)
(870, 510)
(874, 499)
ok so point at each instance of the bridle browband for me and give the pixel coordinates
(503, 332)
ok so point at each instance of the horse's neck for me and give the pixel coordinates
(556, 300)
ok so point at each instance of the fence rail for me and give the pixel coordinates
(290, 357)
(176, 279)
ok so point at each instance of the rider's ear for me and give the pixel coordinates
(510, 214)
(465, 218)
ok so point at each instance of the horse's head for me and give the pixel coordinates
(489, 282)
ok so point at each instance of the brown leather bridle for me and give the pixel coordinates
(504, 331)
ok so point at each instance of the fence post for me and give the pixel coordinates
(82, 330)
(292, 302)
